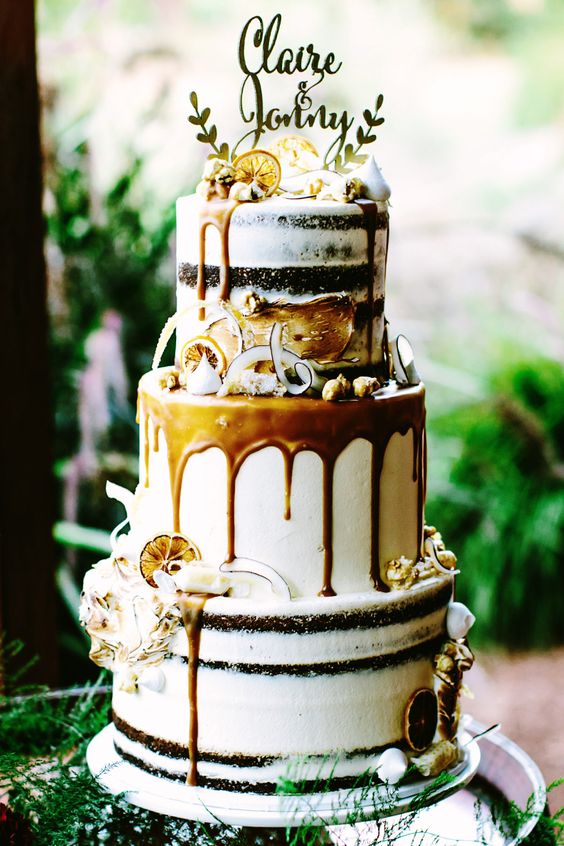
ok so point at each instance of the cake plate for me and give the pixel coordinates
(255, 810)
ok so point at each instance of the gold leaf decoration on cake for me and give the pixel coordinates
(319, 329)
(166, 552)
(420, 719)
(220, 331)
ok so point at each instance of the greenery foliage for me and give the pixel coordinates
(54, 801)
(501, 506)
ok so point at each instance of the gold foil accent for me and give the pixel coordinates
(320, 329)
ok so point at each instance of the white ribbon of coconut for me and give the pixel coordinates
(304, 369)
(431, 552)
(174, 319)
(404, 362)
(263, 571)
(126, 498)
(281, 358)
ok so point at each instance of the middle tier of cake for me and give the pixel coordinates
(327, 494)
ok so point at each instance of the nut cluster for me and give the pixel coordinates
(218, 183)
(173, 380)
(217, 180)
(341, 388)
(342, 191)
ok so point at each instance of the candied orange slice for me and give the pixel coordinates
(420, 719)
(196, 348)
(295, 152)
(261, 167)
(166, 552)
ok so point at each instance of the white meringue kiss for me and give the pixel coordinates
(152, 678)
(392, 765)
(459, 620)
(204, 380)
(376, 187)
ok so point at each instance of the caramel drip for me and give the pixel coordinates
(328, 469)
(288, 470)
(191, 608)
(370, 210)
(375, 571)
(146, 450)
(419, 476)
(156, 430)
(240, 426)
(422, 488)
(217, 213)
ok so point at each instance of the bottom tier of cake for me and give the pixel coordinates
(250, 695)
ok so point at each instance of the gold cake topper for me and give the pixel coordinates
(257, 55)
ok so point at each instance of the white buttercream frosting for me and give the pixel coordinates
(152, 678)
(459, 620)
(204, 380)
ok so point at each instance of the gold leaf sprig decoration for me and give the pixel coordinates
(351, 156)
(207, 136)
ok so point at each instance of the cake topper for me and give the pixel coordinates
(258, 54)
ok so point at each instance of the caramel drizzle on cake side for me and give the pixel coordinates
(192, 608)
(240, 426)
(218, 214)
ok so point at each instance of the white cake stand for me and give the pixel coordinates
(250, 809)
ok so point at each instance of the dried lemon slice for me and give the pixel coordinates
(166, 552)
(258, 166)
(296, 153)
(194, 350)
(420, 719)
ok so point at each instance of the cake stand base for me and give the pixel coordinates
(251, 809)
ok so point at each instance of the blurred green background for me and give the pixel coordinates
(473, 148)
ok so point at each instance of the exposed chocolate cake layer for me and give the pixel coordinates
(313, 280)
(179, 751)
(325, 668)
(294, 218)
(404, 610)
(266, 787)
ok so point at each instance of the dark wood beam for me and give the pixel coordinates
(27, 588)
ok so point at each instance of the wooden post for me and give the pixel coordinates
(27, 588)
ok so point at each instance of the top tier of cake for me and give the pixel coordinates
(316, 267)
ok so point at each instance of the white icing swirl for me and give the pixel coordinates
(375, 186)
